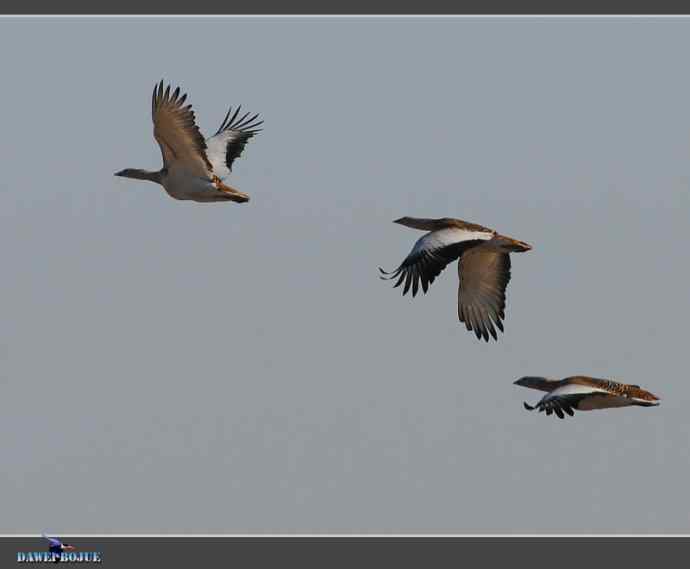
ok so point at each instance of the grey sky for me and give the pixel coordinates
(180, 367)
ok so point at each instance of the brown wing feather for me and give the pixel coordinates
(426, 224)
(484, 274)
(176, 132)
(614, 387)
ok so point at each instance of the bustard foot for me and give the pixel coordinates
(231, 193)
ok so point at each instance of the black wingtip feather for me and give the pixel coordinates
(387, 276)
(408, 280)
(245, 124)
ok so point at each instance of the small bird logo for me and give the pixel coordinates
(57, 547)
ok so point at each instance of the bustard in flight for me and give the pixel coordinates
(585, 394)
(483, 268)
(194, 168)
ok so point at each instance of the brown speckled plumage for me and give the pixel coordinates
(585, 394)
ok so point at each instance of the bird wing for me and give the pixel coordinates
(428, 224)
(568, 397)
(430, 255)
(176, 132)
(229, 141)
(484, 274)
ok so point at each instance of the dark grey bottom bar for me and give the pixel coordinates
(347, 7)
(356, 552)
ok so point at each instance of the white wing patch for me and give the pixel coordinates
(444, 237)
(599, 398)
(216, 148)
(574, 389)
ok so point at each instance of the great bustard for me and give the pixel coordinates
(585, 394)
(194, 168)
(483, 268)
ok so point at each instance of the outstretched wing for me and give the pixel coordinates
(431, 254)
(176, 132)
(484, 275)
(230, 139)
(569, 397)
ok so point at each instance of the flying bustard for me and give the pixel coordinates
(194, 168)
(585, 394)
(483, 268)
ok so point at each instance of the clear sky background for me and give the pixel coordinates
(176, 367)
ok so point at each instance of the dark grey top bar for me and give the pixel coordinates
(351, 7)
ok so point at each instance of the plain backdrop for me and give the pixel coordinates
(177, 367)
